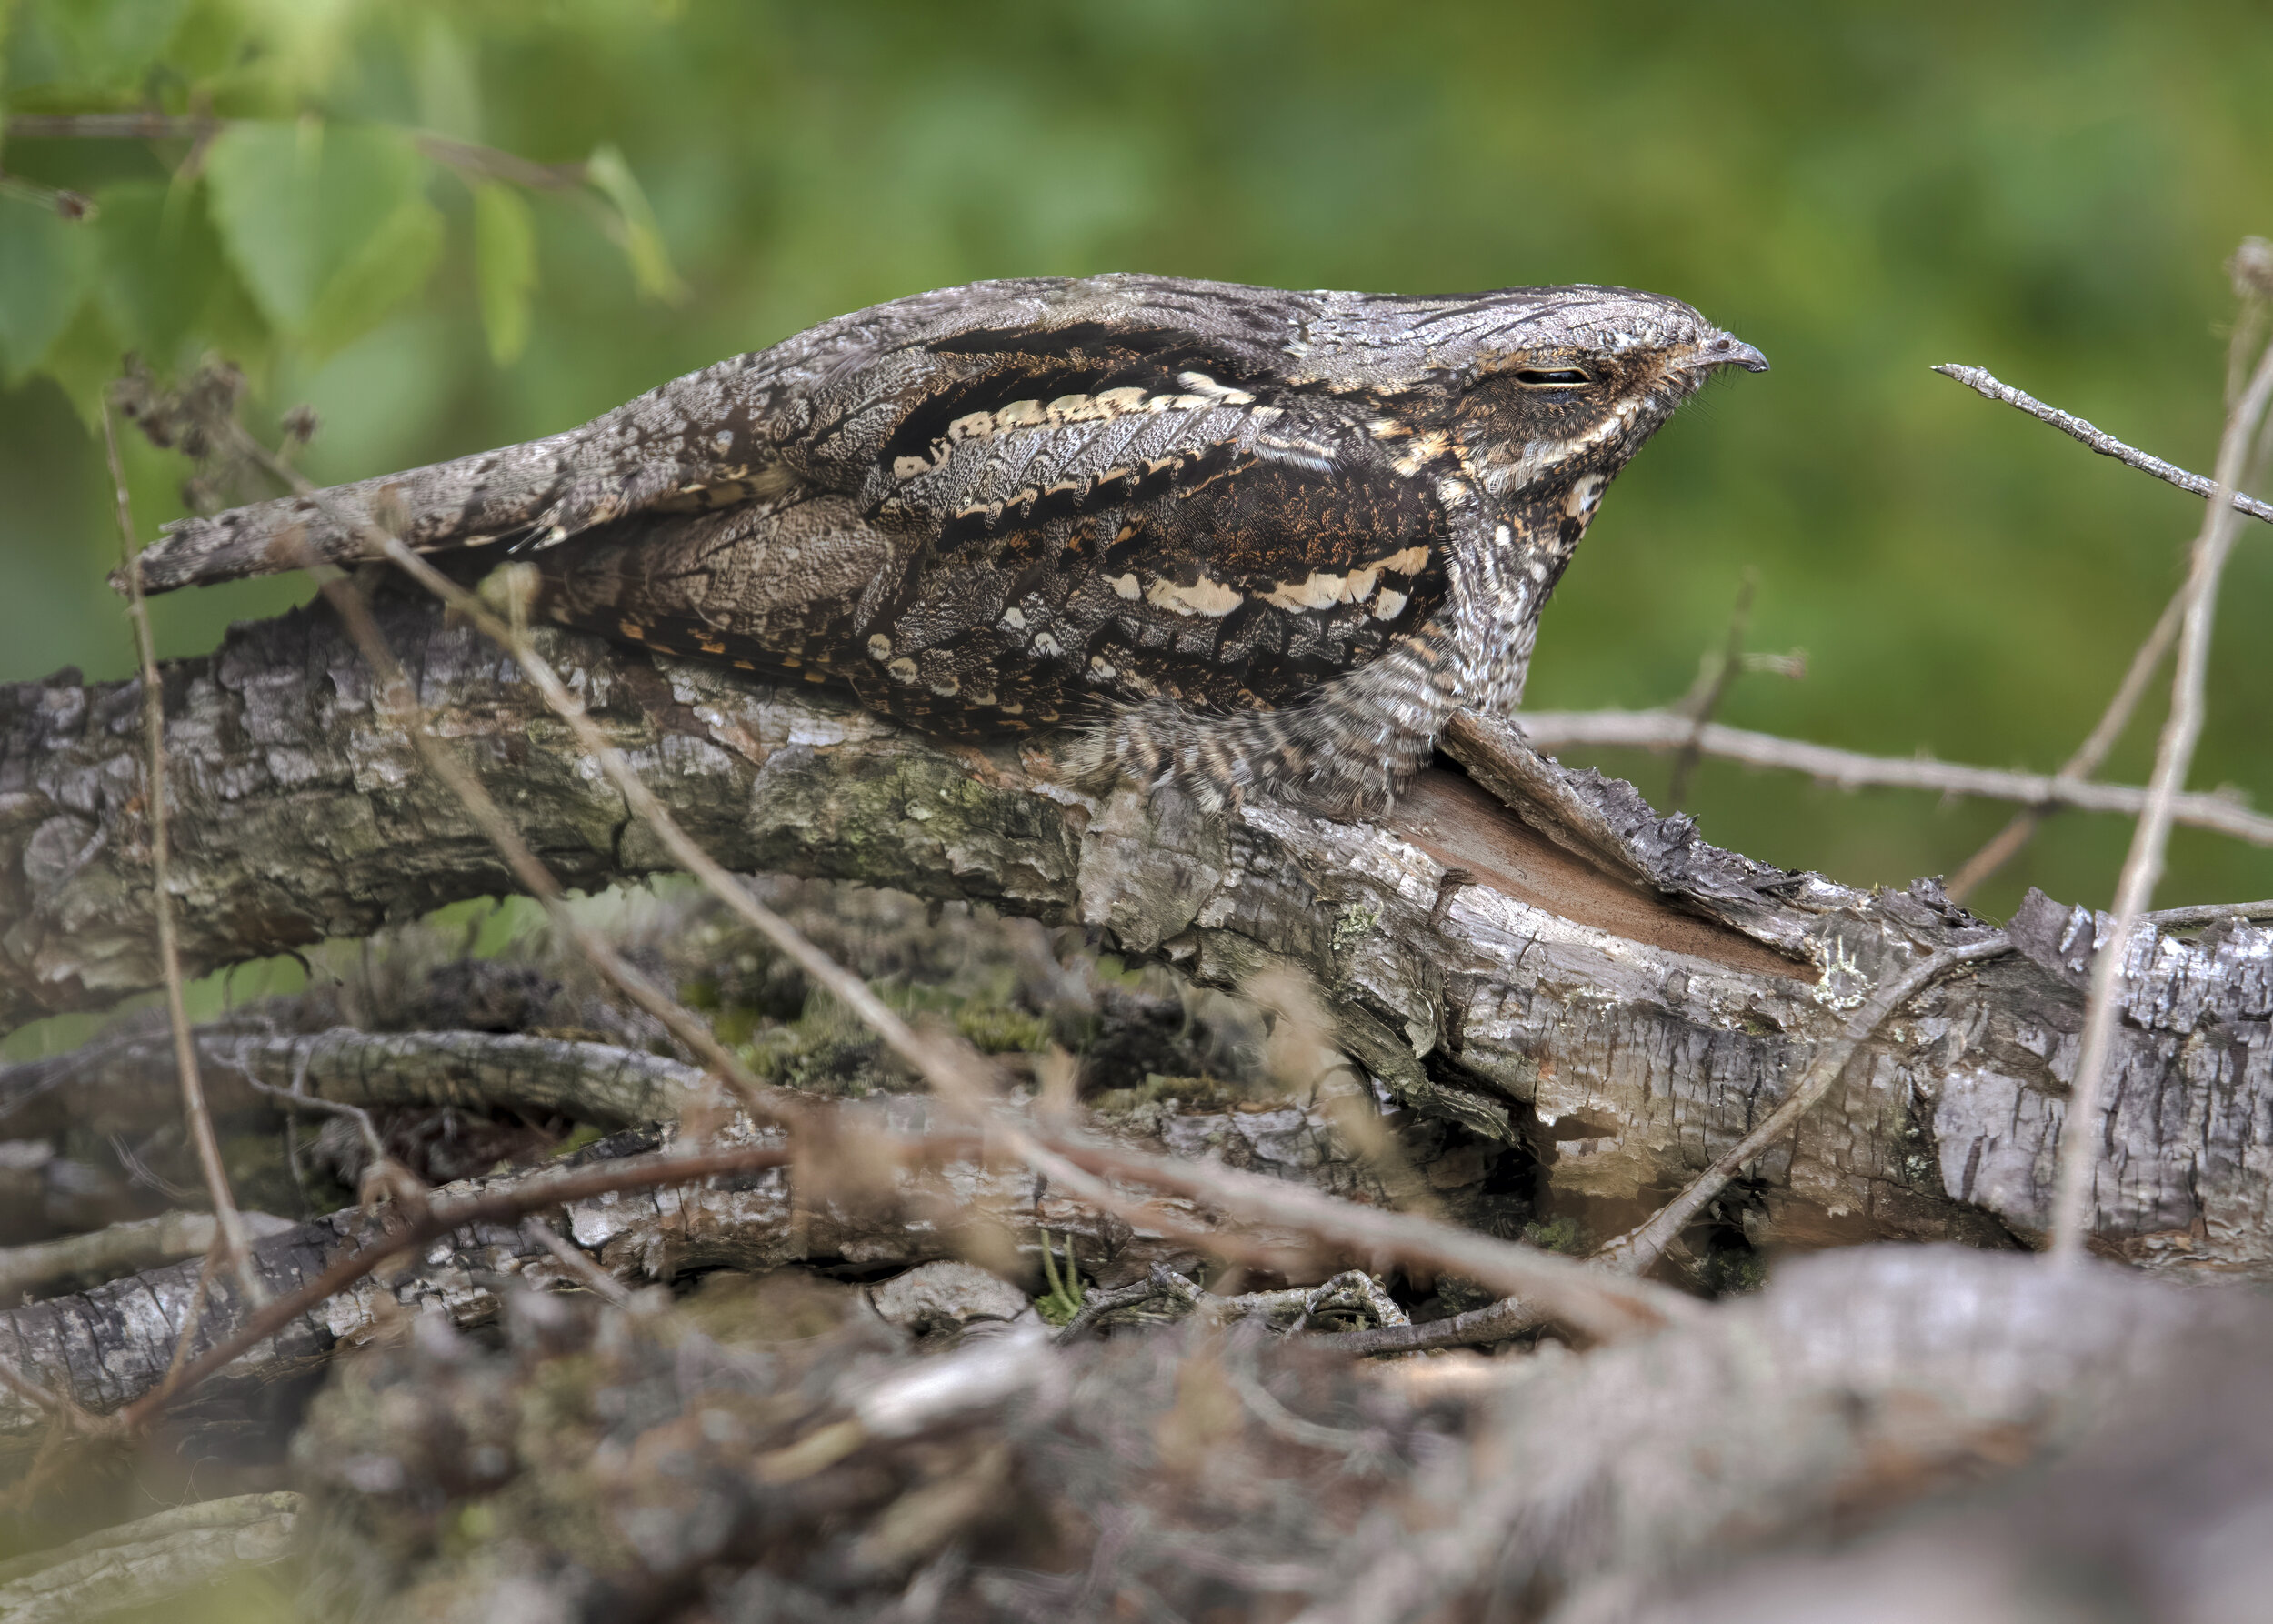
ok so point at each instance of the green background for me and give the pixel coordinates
(2044, 190)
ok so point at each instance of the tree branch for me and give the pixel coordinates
(876, 1185)
(118, 1249)
(1596, 982)
(2142, 866)
(470, 157)
(116, 1085)
(1851, 769)
(1982, 382)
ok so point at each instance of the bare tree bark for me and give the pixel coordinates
(1576, 972)
(104, 1348)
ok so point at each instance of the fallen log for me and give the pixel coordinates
(845, 1204)
(1557, 965)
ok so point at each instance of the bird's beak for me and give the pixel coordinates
(1722, 349)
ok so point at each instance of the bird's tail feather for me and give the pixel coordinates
(513, 497)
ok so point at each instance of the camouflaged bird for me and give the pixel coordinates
(1235, 536)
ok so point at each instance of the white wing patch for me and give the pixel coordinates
(1201, 393)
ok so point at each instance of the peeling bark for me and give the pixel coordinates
(1585, 975)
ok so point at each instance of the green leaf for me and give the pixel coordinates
(635, 226)
(43, 262)
(95, 46)
(505, 262)
(391, 266)
(329, 225)
(84, 359)
(159, 262)
(443, 69)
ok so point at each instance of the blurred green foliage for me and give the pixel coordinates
(2048, 190)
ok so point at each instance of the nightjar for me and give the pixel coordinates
(1231, 537)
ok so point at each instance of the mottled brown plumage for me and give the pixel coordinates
(1234, 536)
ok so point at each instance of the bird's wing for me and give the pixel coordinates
(1171, 530)
(1046, 517)
(1078, 491)
(708, 439)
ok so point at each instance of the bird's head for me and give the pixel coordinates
(1544, 386)
(1567, 382)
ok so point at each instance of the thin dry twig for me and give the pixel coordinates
(1981, 381)
(192, 1316)
(2008, 842)
(57, 200)
(2206, 913)
(1353, 1288)
(590, 1275)
(30, 1391)
(1851, 769)
(1098, 1304)
(1567, 1291)
(1638, 1251)
(110, 126)
(965, 1080)
(1580, 1295)
(296, 1097)
(193, 1112)
(2142, 867)
(1493, 1322)
(488, 163)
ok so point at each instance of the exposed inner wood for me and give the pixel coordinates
(1452, 819)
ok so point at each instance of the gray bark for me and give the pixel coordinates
(107, 1347)
(123, 1086)
(1632, 1023)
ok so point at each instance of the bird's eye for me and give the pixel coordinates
(1552, 377)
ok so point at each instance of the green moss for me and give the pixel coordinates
(1459, 1294)
(1356, 922)
(1556, 1235)
(1733, 1272)
(1194, 1093)
(997, 1029)
(583, 1134)
(1111, 970)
